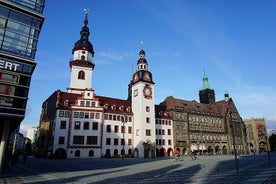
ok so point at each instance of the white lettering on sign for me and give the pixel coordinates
(8, 65)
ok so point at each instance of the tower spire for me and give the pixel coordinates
(206, 84)
(86, 15)
(84, 43)
(206, 94)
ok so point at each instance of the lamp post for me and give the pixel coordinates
(248, 139)
(124, 121)
(234, 143)
(201, 136)
(268, 150)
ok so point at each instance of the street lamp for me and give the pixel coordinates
(268, 150)
(124, 121)
(234, 143)
(201, 136)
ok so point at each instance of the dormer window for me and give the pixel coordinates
(81, 75)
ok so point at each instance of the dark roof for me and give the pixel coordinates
(160, 112)
(83, 42)
(213, 109)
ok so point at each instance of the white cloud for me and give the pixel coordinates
(256, 102)
(109, 56)
(24, 129)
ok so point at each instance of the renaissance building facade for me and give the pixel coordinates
(80, 124)
(257, 138)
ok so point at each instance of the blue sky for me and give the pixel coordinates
(233, 41)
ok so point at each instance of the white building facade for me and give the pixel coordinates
(87, 125)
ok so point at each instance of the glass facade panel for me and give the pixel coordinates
(19, 33)
(36, 5)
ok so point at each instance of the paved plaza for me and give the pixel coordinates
(207, 169)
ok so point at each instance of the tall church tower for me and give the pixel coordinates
(206, 94)
(142, 99)
(82, 64)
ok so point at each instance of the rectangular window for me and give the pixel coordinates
(87, 104)
(169, 142)
(163, 132)
(156, 141)
(123, 129)
(82, 103)
(106, 116)
(169, 131)
(86, 115)
(77, 125)
(61, 113)
(119, 118)
(130, 130)
(116, 128)
(122, 142)
(91, 115)
(76, 114)
(62, 124)
(108, 128)
(148, 132)
(129, 141)
(92, 140)
(78, 139)
(163, 141)
(97, 115)
(61, 140)
(93, 104)
(95, 126)
(110, 117)
(108, 141)
(81, 114)
(148, 120)
(115, 141)
(67, 114)
(86, 125)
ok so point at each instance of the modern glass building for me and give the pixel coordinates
(20, 24)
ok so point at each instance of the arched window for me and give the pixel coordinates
(83, 58)
(77, 153)
(81, 75)
(91, 153)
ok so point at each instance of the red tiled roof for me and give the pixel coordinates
(115, 105)
(63, 97)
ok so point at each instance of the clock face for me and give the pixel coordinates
(147, 91)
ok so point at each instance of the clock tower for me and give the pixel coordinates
(82, 64)
(142, 100)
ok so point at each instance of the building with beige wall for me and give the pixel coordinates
(257, 138)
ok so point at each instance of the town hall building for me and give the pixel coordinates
(80, 124)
